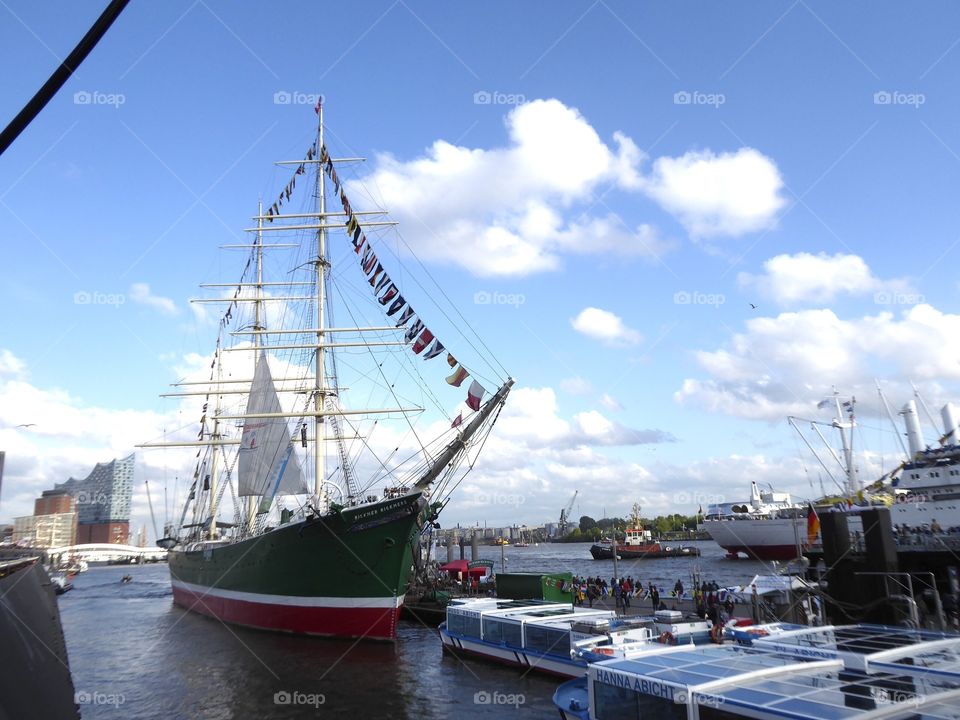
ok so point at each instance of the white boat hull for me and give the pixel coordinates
(519, 658)
(776, 538)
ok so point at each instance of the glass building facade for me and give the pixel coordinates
(103, 499)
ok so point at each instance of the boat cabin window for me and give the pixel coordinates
(471, 626)
(709, 712)
(511, 633)
(496, 630)
(617, 703)
(455, 622)
(491, 630)
(554, 641)
(463, 624)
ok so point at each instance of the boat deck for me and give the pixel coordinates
(744, 682)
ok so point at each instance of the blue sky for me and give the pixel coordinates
(800, 156)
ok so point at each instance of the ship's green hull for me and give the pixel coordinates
(344, 574)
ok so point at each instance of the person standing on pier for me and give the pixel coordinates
(654, 596)
(678, 588)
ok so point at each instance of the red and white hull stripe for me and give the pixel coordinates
(374, 617)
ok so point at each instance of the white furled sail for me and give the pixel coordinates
(267, 465)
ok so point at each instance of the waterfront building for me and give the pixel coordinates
(45, 531)
(103, 502)
(52, 502)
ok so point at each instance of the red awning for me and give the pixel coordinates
(460, 566)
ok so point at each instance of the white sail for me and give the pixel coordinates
(267, 466)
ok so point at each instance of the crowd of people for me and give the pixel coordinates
(626, 590)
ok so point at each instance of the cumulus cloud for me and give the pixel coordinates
(783, 365)
(605, 326)
(595, 428)
(718, 194)
(535, 459)
(533, 416)
(10, 364)
(820, 278)
(67, 438)
(519, 209)
(140, 293)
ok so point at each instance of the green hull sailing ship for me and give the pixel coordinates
(327, 502)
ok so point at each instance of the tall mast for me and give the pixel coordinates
(257, 328)
(214, 436)
(319, 374)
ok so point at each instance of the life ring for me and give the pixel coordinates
(716, 634)
(603, 651)
(667, 638)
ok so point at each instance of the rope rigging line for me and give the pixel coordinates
(486, 355)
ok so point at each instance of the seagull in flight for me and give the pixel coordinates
(752, 306)
(27, 425)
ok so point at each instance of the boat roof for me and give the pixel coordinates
(527, 610)
(872, 648)
(751, 683)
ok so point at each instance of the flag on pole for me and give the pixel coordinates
(823, 403)
(316, 109)
(434, 351)
(458, 376)
(458, 420)
(813, 524)
(474, 394)
(425, 337)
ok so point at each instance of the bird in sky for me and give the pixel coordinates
(27, 425)
(752, 306)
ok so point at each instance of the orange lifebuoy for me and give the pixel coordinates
(603, 651)
(667, 638)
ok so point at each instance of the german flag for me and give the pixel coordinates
(813, 524)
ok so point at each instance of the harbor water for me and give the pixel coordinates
(133, 654)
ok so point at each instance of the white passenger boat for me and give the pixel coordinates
(869, 648)
(558, 638)
(727, 682)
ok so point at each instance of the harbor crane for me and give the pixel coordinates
(565, 515)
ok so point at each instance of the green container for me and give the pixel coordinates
(555, 587)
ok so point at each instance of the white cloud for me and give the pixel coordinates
(535, 459)
(785, 364)
(718, 194)
(10, 364)
(513, 210)
(597, 429)
(140, 293)
(804, 277)
(605, 326)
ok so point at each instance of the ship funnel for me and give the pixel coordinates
(754, 495)
(912, 423)
(951, 433)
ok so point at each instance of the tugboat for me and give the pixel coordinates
(639, 544)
